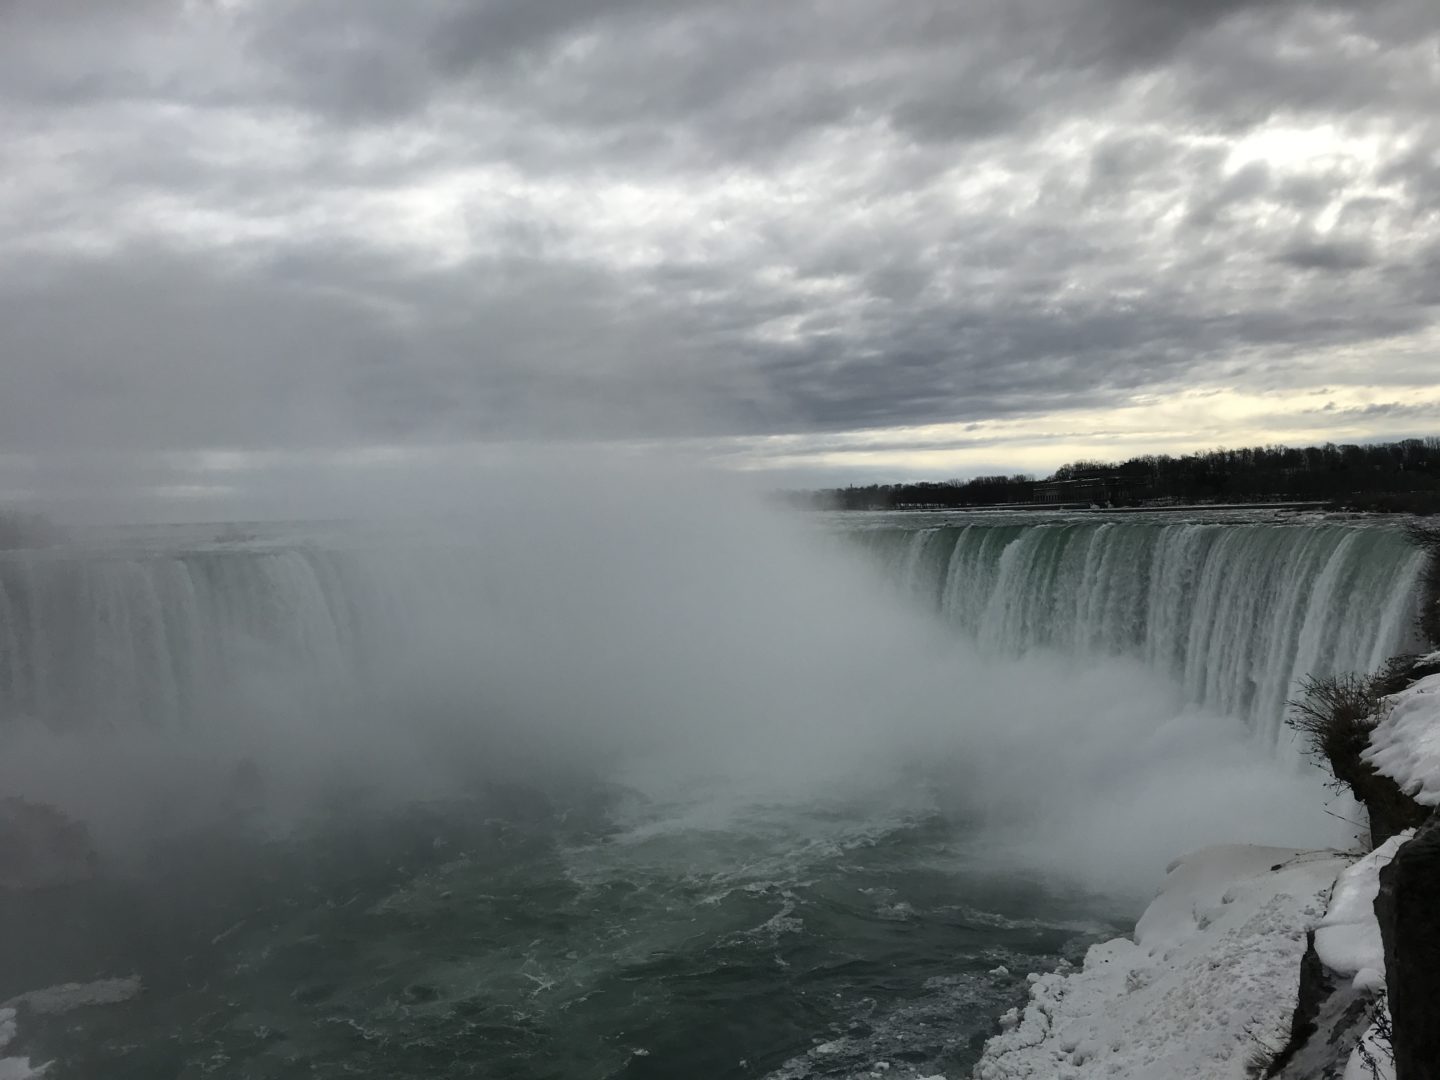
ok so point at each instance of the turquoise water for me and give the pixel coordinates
(519, 934)
(1236, 609)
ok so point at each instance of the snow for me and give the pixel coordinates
(1348, 943)
(1210, 978)
(1372, 1059)
(19, 1069)
(1405, 745)
(13, 1068)
(1347, 940)
(54, 1000)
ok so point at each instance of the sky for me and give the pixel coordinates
(817, 241)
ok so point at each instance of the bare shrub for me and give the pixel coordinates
(1335, 716)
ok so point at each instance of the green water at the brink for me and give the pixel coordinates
(519, 934)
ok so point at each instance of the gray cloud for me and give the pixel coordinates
(348, 222)
(1341, 256)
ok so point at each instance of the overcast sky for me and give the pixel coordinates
(826, 239)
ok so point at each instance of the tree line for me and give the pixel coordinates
(1399, 476)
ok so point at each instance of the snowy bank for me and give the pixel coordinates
(1347, 940)
(1209, 981)
(1405, 745)
(13, 1068)
(54, 1001)
(1348, 943)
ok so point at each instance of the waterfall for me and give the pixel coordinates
(1237, 613)
(156, 639)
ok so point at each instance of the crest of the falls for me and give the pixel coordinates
(1234, 612)
(154, 638)
(1237, 612)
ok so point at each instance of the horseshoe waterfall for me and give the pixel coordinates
(1238, 613)
(629, 790)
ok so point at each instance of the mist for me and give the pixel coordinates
(678, 636)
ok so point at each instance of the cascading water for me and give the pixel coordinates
(1237, 612)
(147, 640)
(563, 913)
(627, 794)
(165, 635)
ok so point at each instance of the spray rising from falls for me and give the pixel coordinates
(730, 655)
(159, 639)
(1236, 613)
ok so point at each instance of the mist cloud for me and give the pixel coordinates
(697, 648)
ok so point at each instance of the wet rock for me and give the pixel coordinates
(1330, 1016)
(1406, 905)
(41, 848)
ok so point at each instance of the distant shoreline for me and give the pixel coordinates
(1090, 508)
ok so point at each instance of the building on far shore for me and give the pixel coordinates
(1109, 489)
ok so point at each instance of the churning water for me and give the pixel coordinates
(626, 795)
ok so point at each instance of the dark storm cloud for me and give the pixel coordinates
(939, 72)
(1310, 254)
(258, 224)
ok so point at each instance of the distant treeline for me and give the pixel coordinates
(1397, 476)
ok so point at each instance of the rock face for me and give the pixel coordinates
(1330, 1016)
(1342, 980)
(1406, 905)
(1390, 810)
(41, 848)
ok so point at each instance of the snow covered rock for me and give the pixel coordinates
(1209, 980)
(53, 1001)
(13, 1068)
(1405, 745)
(1347, 939)
(1342, 983)
(1373, 1057)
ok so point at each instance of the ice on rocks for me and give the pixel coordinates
(1405, 745)
(1210, 976)
(1347, 940)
